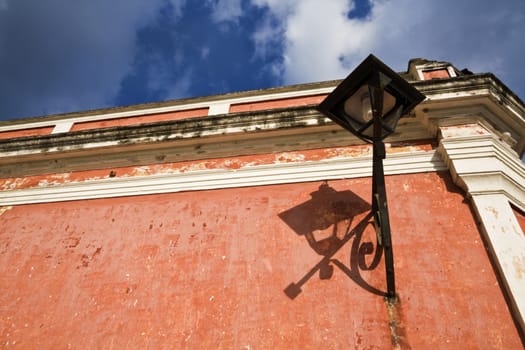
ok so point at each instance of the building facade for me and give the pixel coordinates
(242, 221)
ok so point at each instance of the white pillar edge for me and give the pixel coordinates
(506, 243)
(493, 176)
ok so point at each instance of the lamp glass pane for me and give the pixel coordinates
(391, 119)
(359, 109)
(389, 102)
(358, 106)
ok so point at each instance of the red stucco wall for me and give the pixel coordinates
(151, 118)
(26, 132)
(209, 270)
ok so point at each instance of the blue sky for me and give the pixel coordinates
(59, 56)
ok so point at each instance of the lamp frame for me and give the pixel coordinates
(380, 79)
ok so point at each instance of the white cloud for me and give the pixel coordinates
(318, 38)
(475, 36)
(322, 43)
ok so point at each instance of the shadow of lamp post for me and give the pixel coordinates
(325, 222)
(369, 103)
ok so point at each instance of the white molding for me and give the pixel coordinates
(495, 183)
(280, 173)
(483, 164)
(62, 127)
(217, 109)
(451, 71)
(504, 122)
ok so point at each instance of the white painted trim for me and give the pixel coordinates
(507, 244)
(451, 71)
(433, 66)
(419, 70)
(452, 97)
(280, 173)
(62, 127)
(219, 109)
(180, 107)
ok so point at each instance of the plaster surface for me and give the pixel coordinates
(283, 266)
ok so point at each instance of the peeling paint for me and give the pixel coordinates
(232, 163)
(493, 211)
(352, 152)
(4, 209)
(287, 157)
(463, 130)
(15, 183)
(519, 266)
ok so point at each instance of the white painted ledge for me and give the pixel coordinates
(280, 173)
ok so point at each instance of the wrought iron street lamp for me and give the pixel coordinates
(369, 103)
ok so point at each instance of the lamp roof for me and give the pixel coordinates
(405, 94)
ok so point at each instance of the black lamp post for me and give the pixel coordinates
(369, 103)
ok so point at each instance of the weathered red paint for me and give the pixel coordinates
(218, 163)
(26, 132)
(151, 118)
(281, 103)
(176, 115)
(208, 270)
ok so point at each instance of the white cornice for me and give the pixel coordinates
(185, 140)
(481, 96)
(280, 173)
(484, 164)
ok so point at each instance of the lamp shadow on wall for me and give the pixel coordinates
(326, 221)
